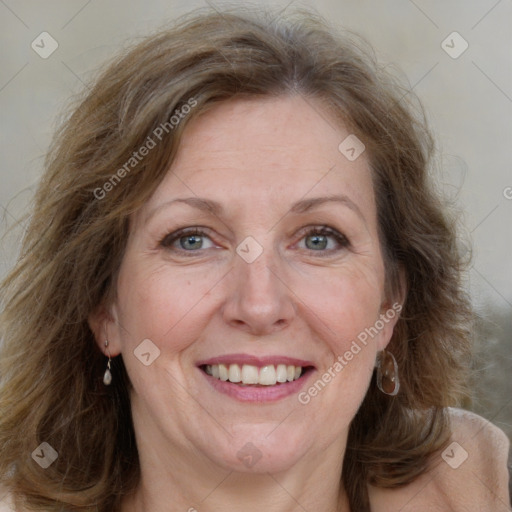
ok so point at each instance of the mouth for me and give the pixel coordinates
(249, 378)
(247, 375)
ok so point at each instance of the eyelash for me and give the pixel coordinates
(170, 238)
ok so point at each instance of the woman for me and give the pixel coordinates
(238, 291)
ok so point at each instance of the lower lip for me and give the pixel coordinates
(260, 393)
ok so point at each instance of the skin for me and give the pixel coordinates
(256, 158)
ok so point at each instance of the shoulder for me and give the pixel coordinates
(469, 474)
(487, 443)
(480, 435)
(468, 422)
(473, 471)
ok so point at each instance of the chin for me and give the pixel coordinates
(257, 450)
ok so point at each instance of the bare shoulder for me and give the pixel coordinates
(470, 474)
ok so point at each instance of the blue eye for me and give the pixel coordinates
(320, 239)
(190, 240)
(324, 239)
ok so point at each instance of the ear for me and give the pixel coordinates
(104, 325)
(391, 308)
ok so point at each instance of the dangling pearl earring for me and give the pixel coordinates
(107, 376)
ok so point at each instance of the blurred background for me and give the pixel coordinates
(455, 55)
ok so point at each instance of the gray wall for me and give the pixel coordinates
(468, 99)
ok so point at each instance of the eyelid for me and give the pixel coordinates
(323, 230)
(175, 235)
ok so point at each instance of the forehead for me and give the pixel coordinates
(271, 149)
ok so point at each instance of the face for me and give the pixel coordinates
(257, 258)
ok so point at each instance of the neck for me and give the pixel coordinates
(237, 492)
(312, 484)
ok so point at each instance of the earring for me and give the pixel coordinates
(387, 373)
(107, 376)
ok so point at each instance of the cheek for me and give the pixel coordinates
(343, 318)
(162, 305)
(345, 301)
(342, 310)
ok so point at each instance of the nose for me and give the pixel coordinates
(259, 300)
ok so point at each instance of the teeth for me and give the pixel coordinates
(223, 372)
(268, 375)
(248, 374)
(281, 373)
(234, 373)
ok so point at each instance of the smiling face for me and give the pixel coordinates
(259, 248)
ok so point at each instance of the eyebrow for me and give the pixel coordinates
(302, 206)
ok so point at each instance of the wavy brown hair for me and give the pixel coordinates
(51, 368)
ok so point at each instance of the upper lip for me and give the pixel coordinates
(254, 360)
